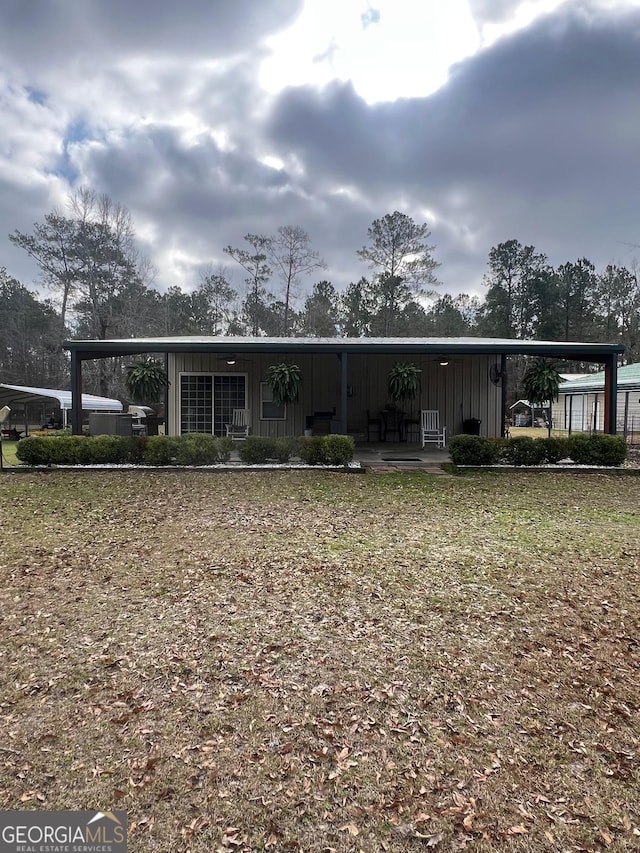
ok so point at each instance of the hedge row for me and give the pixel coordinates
(318, 450)
(582, 448)
(191, 449)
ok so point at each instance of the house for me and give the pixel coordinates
(581, 402)
(344, 379)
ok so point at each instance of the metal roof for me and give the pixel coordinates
(628, 378)
(587, 351)
(23, 394)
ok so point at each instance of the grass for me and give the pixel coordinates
(308, 661)
(537, 432)
(8, 450)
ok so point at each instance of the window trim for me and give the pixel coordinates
(268, 398)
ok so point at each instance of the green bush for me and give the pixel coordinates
(555, 449)
(197, 448)
(473, 450)
(160, 450)
(66, 449)
(523, 450)
(257, 450)
(597, 449)
(311, 450)
(285, 448)
(133, 450)
(225, 446)
(102, 450)
(338, 449)
(34, 450)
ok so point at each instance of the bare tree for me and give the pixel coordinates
(291, 254)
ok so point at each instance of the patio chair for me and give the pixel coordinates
(240, 424)
(430, 429)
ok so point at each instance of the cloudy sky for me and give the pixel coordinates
(210, 119)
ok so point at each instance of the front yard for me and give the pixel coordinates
(311, 661)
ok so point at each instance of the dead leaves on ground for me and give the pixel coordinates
(365, 664)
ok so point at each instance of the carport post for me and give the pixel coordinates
(76, 393)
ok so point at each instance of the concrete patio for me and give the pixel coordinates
(401, 456)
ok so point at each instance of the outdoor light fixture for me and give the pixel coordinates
(231, 360)
(444, 362)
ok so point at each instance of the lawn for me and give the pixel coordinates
(321, 662)
(8, 450)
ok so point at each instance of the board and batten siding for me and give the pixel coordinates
(459, 390)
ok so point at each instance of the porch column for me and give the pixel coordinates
(503, 400)
(76, 393)
(166, 395)
(343, 393)
(610, 394)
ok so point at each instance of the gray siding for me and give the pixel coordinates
(459, 391)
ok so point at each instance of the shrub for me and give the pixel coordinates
(133, 450)
(597, 449)
(34, 450)
(311, 450)
(160, 450)
(285, 448)
(197, 448)
(523, 450)
(473, 450)
(555, 449)
(257, 450)
(338, 449)
(225, 446)
(101, 450)
(62, 449)
(66, 449)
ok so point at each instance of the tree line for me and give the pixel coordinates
(101, 287)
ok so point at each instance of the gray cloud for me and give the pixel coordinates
(40, 33)
(535, 138)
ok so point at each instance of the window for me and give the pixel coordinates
(229, 393)
(207, 401)
(270, 411)
(196, 403)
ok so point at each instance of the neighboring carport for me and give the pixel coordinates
(23, 396)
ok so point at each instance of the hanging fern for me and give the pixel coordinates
(146, 380)
(402, 381)
(285, 381)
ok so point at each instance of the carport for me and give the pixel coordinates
(23, 395)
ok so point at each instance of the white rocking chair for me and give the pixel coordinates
(430, 430)
(240, 424)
